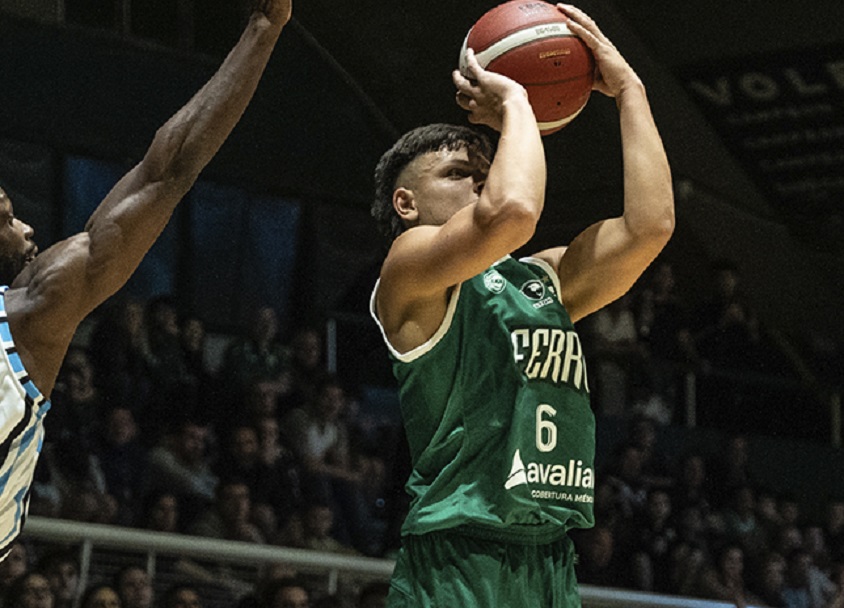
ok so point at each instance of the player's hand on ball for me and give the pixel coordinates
(612, 72)
(483, 93)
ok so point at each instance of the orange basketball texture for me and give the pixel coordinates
(529, 41)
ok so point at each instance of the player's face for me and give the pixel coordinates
(445, 182)
(16, 246)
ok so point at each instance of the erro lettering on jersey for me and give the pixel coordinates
(550, 354)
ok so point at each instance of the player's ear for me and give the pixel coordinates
(405, 205)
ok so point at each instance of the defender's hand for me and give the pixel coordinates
(277, 11)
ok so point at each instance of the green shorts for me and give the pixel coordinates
(450, 570)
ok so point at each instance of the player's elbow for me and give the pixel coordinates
(516, 217)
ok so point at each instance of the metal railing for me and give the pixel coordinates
(87, 536)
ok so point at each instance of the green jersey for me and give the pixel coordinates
(496, 408)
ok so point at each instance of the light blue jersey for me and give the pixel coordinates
(22, 410)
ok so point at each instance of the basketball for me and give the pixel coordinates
(529, 41)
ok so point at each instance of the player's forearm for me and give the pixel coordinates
(648, 193)
(517, 176)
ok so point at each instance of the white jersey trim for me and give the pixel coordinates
(431, 342)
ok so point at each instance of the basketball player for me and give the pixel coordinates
(44, 298)
(492, 377)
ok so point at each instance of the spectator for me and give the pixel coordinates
(62, 572)
(192, 339)
(662, 317)
(615, 351)
(654, 536)
(373, 595)
(270, 485)
(278, 456)
(229, 517)
(627, 481)
(13, 567)
(77, 401)
(71, 484)
(182, 595)
(181, 464)
(161, 512)
(119, 353)
(30, 590)
(729, 469)
(321, 438)
(725, 580)
(769, 581)
(134, 587)
(687, 563)
(100, 595)
(307, 366)
(643, 434)
(690, 488)
(599, 563)
(740, 524)
(318, 522)
(257, 356)
(285, 593)
(122, 458)
(167, 368)
(806, 586)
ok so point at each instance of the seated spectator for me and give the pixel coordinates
(30, 590)
(725, 580)
(14, 566)
(134, 587)
(119, 353)
(599, 562)
(62, 572)
(101, 595)
(690, 488)
(615, 352)
(160, 512)
(181, 464)
(625, 477)
(275, 495)
(768, 582)
(307, 367)
(229, 516)
(71, 485)
(655, 534)
(740, 523)
(318, 522)
(643, 433)
(182, 595)
(257, 356)
(285, 593)
(122, 458)
(687, 563)
(321, 438)
(805, 585)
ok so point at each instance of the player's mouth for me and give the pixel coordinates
(31, 253)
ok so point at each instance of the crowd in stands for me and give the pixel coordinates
(269, 447)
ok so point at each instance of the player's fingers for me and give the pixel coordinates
(582, 21)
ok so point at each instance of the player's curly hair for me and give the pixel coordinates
(410, 146)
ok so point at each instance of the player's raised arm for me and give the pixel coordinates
(605, 260)
(134, 213)
(460, 212)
